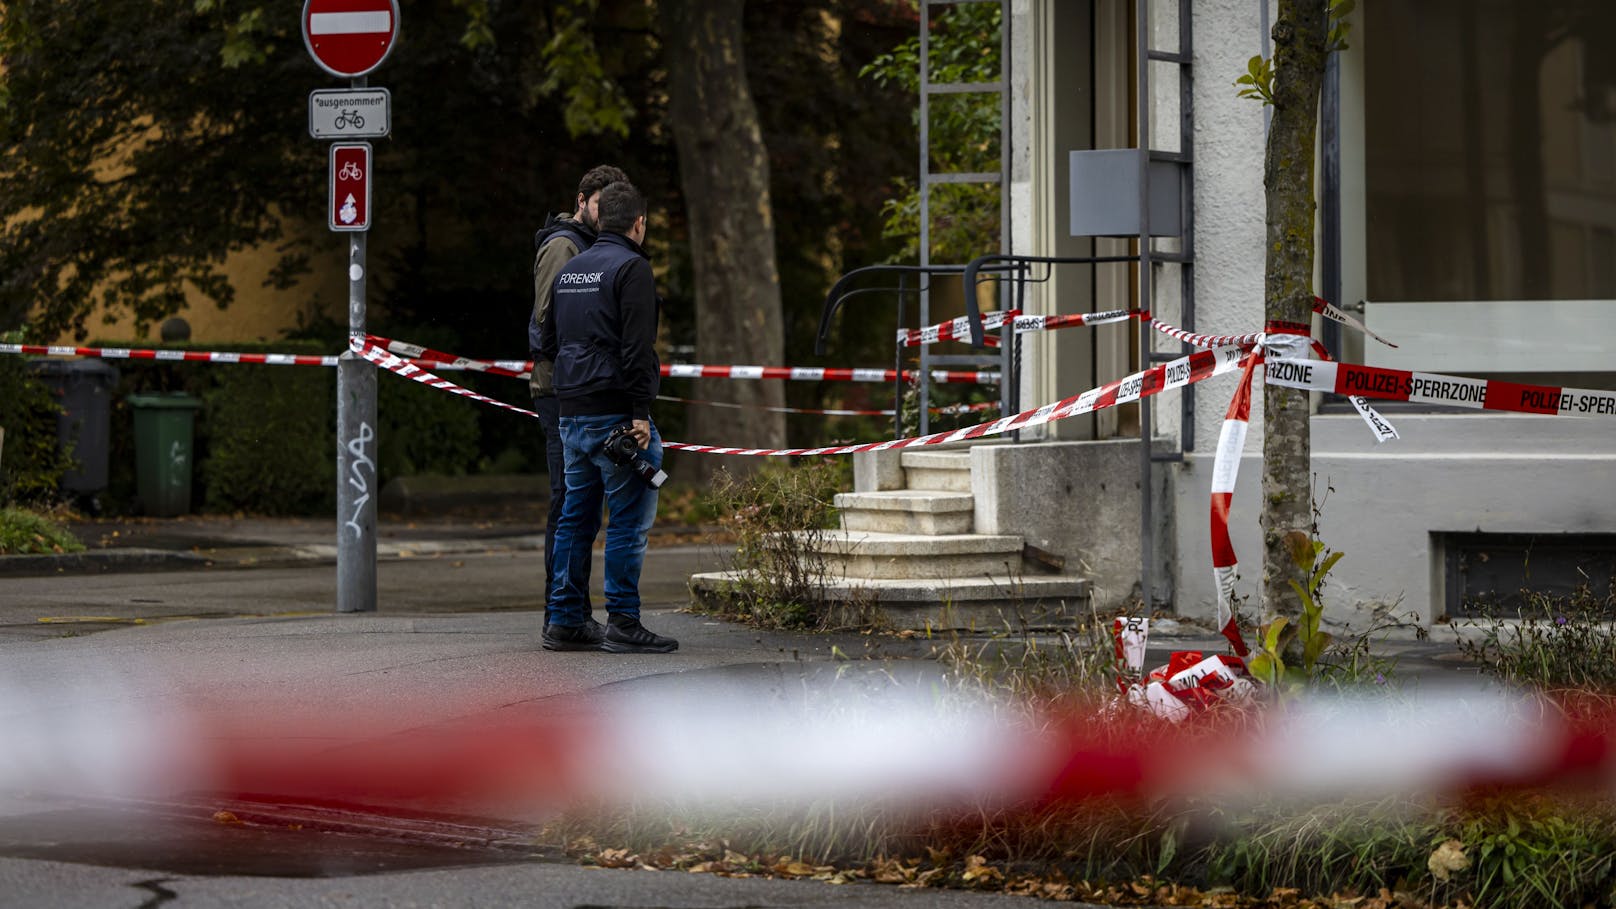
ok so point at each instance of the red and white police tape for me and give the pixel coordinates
(955, 328)
(1202, 364)
(1435, 388)
(993, 321)
(519, 368)
(188, 356)
(1225, 470)
(1196, 367)
(828, 411)
(1189, 684)
(1293, 342)
(393, 363)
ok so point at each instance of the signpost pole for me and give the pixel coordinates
(356, 446)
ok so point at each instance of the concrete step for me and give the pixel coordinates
(864, 554)
(980, 604)
(948, 471)
(911, 511)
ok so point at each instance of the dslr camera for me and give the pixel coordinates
(621, 449)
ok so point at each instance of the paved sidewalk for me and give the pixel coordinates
(199, 541)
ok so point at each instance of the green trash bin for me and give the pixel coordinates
(163, 430)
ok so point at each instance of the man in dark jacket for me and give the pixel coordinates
(560, 239)
(601, 336)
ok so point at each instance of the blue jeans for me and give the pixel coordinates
(631, 505)
(549, 412)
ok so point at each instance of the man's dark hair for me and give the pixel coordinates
(598, 179)
(620, 206)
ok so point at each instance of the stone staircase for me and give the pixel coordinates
(912, 553)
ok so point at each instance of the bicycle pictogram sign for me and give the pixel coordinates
(349, 189)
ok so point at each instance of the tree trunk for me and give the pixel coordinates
(1299, 50)
(724, 172)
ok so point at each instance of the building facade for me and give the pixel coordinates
(1467, 211)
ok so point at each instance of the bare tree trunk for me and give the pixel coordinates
(1299, 49)
(724, 171)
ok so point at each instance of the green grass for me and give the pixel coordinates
(1559, 642)
(28, 533)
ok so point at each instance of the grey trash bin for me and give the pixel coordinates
(84, 428)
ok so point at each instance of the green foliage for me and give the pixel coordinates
(1067, 670)
(1557, 642)
(479, 29)
(1275, 638)
(1516, 854)
(1258, 80)
(963, 134)
(423, 430)
(269, 451)
(1339, 26)
(126, 153)
(778, 515)
(595, 103)
(31, 462)
(28, 533)
(1526, 856)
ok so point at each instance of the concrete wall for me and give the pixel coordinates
(1079, 500)
(1489, 473)
(1229, 198)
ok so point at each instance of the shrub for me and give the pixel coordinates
(269, 451)
(31, 464)
(423, 430)
(1559, 641)
(26, 533)
(778, 515)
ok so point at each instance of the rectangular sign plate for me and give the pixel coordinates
(350, 113)
(350, 186)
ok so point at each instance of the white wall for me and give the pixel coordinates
(1459, 473)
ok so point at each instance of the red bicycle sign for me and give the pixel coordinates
(350, 186)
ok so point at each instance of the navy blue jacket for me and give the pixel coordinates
(602, 330)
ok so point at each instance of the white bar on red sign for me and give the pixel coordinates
(360, 23)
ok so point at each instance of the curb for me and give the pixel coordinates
(103, 561)
(129, 561)
(248, 553)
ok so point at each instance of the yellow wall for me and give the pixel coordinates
(258, 313)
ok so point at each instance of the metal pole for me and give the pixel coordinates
(1330, 214)
(897, 359)
(925, 211)
(1147, 549)
(356, 447)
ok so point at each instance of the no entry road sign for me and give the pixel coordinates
(350, 186)
(349, 37)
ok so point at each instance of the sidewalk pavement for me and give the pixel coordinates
(191, 541)
(516, 528)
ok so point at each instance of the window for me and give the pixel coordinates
(1490, 184)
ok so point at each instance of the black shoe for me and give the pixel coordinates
(629, 636)
(574, 637)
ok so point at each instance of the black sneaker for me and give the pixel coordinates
(629, 636)
(574, 637)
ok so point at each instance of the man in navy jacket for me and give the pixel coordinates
(601, 336)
